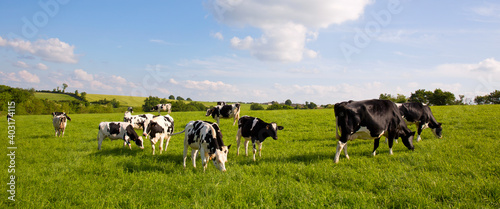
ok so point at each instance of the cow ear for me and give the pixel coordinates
(280, 128)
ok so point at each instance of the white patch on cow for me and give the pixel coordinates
(340, 146)
(254, 122)
(275, 127)
(364, 133)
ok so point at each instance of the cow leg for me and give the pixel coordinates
(419, 131)
(153, 147)
(167, 140)
(185, 155)
(260, 148)
(161, 144)
(238, 140)
(193, 156)
(100, 137)
(246, 146)
(376, 143)
(345, 151)
(340, 146)
(218, 120)
(390, 145)
(254, 149)
(204, 159)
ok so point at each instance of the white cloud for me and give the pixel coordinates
(82, 75)
(163, 90)
(52, 50)
(41, 66)
(217, 35)
(488, 10)
(21, 64)
(488, 65)
(286, 25)
(6, 77)
(159, 41)
(28, 77)
(204, 85)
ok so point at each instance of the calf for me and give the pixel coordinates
(59, 122)
(420, 115)
(54, 114)
(137, 121)
(118, 130)
(159, 128)
(207, 138)
(225, 111)
(165, 107)
(256, 130)
(370, 119)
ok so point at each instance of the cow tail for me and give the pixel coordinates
(178, 132)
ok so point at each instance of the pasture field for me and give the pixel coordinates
(460, 170)
(54, 96)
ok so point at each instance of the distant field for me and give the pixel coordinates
(53, 96)
(461, 170)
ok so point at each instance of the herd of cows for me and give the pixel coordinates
(367, 119)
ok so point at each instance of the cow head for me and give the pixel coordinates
(407, 137)
(139, 142)
(220, 158)
(438, 131)
(134, 137)
(272, 130)
(210, 111)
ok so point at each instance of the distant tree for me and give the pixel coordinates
(76, 92)
(421, 96)
(64, 87)
(385, 97)
(180, 98)
(288, 102)
(480, 100)
(83, 95)
(256, 106)
(189, 99)
(171, 97)
(149, 103)
(440, 97)
(163, 101)
(401, 99)
(312, 105)
(494, 97)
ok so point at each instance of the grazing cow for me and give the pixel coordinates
(420, 115)
(207, 138)
(118, 130)
(256, 130)
(225, 111)
(370, 119)
(59, 122)
(165, 107)
(54, 114)
(137, 121)
(159, 128)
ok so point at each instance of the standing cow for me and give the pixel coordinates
(420, 115)
(165, 107)
(257, 131)
(370, 119)
(118, 130)
(159, 128)
(59, 122)
(137, 121)
(207, 138)
(225, 111)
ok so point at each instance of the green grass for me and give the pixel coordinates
(53, 96)
(461, 170)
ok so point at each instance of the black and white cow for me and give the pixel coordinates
(159, 128)
(54, 114)
(257, 131)
(420, 115)
(221, 103)
(137, 121)
(118, 130)
(59, 122)
(207, 138)
(225, 111)
(130, 109)
(370, 119)
(165, 107)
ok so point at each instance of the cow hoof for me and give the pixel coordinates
(347, 156)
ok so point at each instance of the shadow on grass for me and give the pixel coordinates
(117, 151)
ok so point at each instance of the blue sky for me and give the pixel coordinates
(319, 51)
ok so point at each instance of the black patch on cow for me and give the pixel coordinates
(133, 135)
(153, 129)
(114, 128)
